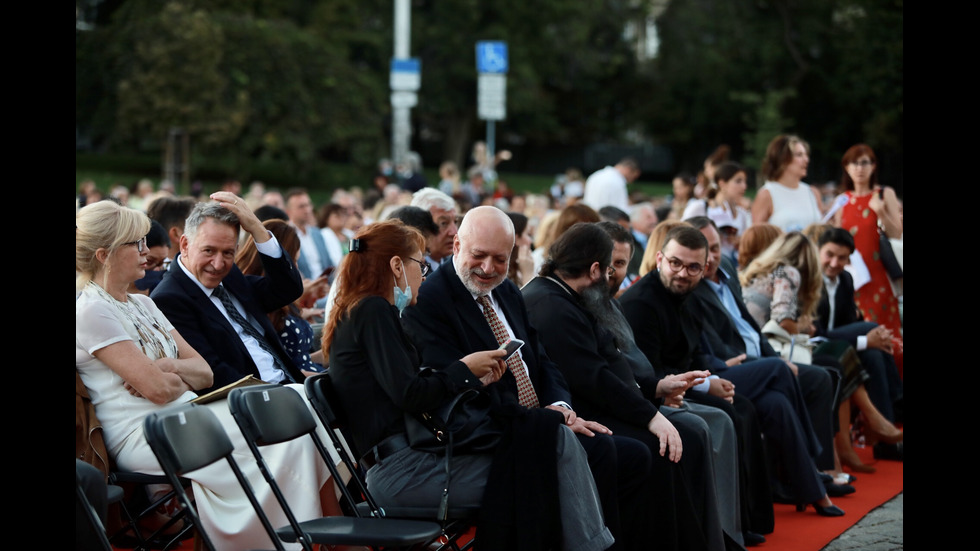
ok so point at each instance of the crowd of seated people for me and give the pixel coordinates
(229, 288)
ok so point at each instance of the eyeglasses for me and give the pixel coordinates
(676, 265)
(423, 265)
(140, 244)
(862, 163)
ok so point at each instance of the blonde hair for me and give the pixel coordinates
(796, 250)
(655, 243)
(104, 225)
(544, 233)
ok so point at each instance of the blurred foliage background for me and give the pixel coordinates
(296, 91)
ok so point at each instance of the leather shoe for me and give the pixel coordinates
(894, 452)
(838, 490)
(752, 539)
(829, 511)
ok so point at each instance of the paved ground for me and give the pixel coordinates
(880, 530)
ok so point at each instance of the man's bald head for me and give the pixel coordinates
(482, 248)
(483, 220)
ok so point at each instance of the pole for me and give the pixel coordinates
(491, 141)
(401, 120)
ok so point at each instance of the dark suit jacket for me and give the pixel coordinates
(720, 330)
(664, 329)
(205, 328)
(599, 376)
(848, 325)
(447, 324)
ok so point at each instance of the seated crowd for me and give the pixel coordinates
(648, 402)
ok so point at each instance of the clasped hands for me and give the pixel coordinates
(881, 338)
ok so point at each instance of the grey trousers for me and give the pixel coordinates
(719, 465)
(414, 478)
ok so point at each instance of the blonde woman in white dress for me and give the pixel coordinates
(133, 362)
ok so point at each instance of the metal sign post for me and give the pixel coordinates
(492, 65)
(406, 76)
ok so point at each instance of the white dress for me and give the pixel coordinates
(225, 511)
(792, 209)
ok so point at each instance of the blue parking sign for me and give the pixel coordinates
(491, 57)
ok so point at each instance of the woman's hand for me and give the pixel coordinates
(525, 263)
(877, 202)
(315, 289)
(488, 365)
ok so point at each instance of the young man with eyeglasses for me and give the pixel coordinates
(671, 338)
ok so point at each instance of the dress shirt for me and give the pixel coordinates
(263, 360)
(830, 285)
(310, 250)
(745, 329)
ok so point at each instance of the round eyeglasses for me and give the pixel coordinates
(676, 266)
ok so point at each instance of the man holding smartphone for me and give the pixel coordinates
(469, 304)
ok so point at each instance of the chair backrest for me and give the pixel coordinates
(325, 400)
(188, 437)
(271, 414)
(94, 530)
(323, 397)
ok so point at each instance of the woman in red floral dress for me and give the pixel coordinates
(868, 202)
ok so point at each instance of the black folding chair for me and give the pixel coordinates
(271, 414)
(460, 520)
(187, 437)
(95, 537)
(137, 507)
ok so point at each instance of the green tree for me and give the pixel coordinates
(841, 61)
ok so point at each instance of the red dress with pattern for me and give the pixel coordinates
(875, 298)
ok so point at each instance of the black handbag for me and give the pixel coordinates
(887, 255)
(463, 423)
(462, 426)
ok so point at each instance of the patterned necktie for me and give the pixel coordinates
(525, 390)
(225, 299)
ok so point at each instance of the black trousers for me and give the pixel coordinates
(644, 497)
(753, 468)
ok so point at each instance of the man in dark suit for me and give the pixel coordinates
(220, 311)
(313, 255)
(670, 335)
(732, 332)
(448, 323)
(838, 319)
(570, 303)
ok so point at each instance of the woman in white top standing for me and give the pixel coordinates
(785, 200)
(725, 206)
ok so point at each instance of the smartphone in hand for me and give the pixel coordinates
(511, 347)
(329, 270)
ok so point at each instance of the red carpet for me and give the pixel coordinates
(810, 532)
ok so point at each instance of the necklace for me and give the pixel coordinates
(161, 343)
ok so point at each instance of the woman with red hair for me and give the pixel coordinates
(868, 204)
